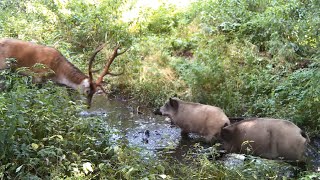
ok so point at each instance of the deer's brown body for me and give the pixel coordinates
(28, 54)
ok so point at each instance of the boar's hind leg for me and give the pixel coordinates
(210, 138)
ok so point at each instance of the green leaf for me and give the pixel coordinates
(19, 168)
(34, 146)
(87, 167)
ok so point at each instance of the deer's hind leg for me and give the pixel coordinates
(3, 56)
(3, 64)
(7, 63)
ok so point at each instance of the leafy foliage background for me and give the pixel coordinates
(251, 58)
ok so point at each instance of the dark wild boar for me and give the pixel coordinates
(265, 137)
(195, 118)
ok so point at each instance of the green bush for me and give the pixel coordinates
(297, 98)
(41, 134)
(251, 58)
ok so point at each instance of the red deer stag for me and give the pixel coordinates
(28, 54)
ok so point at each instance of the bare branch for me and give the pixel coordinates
(116, 74)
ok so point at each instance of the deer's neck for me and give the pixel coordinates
(71, 76)
(77, 86)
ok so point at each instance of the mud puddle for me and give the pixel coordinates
(155, 135)
(140, 129)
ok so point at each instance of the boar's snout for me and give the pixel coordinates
(157, 112)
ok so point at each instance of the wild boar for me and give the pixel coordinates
(195, 118)
(265, 137)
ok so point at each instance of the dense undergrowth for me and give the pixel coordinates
(43, 137)
(251, 58)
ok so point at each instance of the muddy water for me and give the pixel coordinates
(154, 134)
(140, 127)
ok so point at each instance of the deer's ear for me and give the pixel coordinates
(174, 103)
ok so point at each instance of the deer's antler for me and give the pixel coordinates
(106, 68)
(91, 61)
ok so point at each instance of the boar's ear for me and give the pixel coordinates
(174, 103)
(305, 135)
(226, 134)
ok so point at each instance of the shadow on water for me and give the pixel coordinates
(154, 134)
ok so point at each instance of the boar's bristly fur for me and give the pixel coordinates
(197, 118)
(265, 137)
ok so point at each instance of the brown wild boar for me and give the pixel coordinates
(265, 137)
(195, 118)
